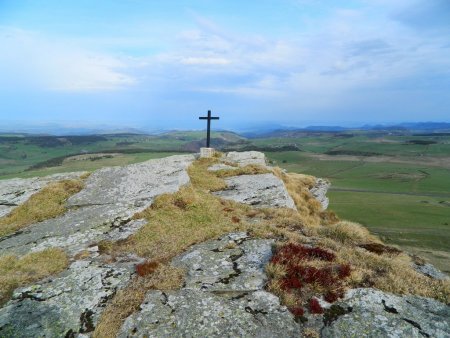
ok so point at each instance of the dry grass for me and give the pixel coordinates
(348, 233)
(45, 204)
(193, 215)
(391, 273)
(16, 272)
(128, 300)
(177, 221)
(251, 169)
(203, 179)
(298, 186)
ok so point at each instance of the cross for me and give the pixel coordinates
(209, 118)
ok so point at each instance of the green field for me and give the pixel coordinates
(397, 184)
(405, 204)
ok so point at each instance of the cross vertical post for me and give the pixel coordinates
(208, 131)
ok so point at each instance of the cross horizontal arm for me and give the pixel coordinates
(208, 118)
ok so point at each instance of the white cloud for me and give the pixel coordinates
(29, 60)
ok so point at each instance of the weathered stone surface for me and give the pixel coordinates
(16, 191)
(373, 313)
(104, 208)
(430, 270)
(223, 296)
(135, 184)
(71, 303)
(319, 192)
(246, 157)
(68, 304)
(263, 191)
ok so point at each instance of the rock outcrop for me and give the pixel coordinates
(224, 290)
(246, 157)
(373, 313)
(66, 305)
(16, 191)
(223, 296)
(71, 303)
(103, 209)
(262, 191)
(319, 191)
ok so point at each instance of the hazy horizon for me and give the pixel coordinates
(162, 64)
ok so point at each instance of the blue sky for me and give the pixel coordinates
(159, 64)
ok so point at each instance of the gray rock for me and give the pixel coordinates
(135, 184)
(223, 296)
(430, 270)
(319, 192)
(263, 191)
(103, 210)
(246, 157)
(373, 313)
(16, 191)
(69, 304)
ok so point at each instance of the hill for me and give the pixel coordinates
(202, 247)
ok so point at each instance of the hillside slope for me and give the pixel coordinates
(208, 247)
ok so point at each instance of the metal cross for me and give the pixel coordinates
(209, 118)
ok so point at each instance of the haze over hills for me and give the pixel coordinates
(248, 130)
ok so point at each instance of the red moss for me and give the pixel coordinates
(299, 273)
(291, 283)
(297, 311)
(146, 268)
(330, 297)
(344, 271)
(314, 306)
(292, 251)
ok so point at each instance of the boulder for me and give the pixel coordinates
(262, 191)
(246, 157)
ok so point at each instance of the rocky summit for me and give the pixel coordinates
(224, 292)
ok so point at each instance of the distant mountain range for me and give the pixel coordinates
(256, 130)
(413, 127)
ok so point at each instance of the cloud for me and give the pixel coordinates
(30, 60)
(425, 14)
(205, 61)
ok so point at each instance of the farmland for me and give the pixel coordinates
(395, 183)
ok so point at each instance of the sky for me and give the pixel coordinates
(161, 64)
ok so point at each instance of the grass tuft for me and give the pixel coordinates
(16, 272)
(128, 300)
(45, 204)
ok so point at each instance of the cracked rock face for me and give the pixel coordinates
(71, 302)
(16, 191)
(223, 296)
(246, 157)
(373, 313)
(68, 304)
(104, 208)
(262, 191)
(319, 191)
